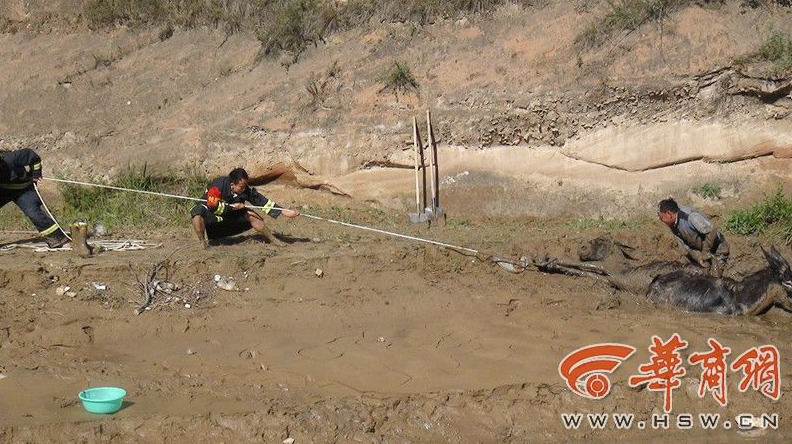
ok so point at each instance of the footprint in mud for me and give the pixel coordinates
(333, 349)
(88, 330)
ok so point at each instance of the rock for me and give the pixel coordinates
(227, 283)
(62, 290)
(99, 286)
(167, 287)
(783, 152)
(319, 273)
(99, 230)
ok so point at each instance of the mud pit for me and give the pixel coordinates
(396, 342)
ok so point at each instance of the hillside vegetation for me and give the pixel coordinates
(321, 94)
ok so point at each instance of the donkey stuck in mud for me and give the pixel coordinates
(601, 248)
(689, 287)
(615, 264)
(753, 295)
(635, 280)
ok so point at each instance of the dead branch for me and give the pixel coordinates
(151, 286)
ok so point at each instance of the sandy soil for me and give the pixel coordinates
(396, 342)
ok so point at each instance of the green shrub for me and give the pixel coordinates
(773, 214)
(293, 27)
(104, 13)
(708, 191)
(626, 15)
(122, 210)
(399, 78)
(777, 49)
(765, 3)
(282, 26)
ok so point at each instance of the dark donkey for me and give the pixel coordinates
(754, 295)
(635, 280)
(612, 268)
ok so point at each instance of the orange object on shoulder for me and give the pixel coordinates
(213, 197)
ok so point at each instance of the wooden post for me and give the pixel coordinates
(79, 234)
(434, 172)
(418, 149)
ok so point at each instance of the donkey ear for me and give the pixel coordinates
(766, 254)
(778, 261)
(627, 251)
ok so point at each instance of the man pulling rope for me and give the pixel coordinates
(19, 171)
(201, 234)
(222, 210)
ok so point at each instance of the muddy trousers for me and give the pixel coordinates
(28, 201)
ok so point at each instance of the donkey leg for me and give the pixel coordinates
(761, 306)
(784, 303)
(781, 298)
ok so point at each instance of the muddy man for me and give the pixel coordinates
(704, 244)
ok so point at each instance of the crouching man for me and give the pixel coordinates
(224, 213)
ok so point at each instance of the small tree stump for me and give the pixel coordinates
(79, 234)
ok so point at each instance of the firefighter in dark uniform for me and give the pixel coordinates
(224, 213)
(18, 171)
(704, 243)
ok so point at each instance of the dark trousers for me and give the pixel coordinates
(28, 201)
(218, 227)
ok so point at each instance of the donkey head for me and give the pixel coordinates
(595, 250)
(781, 267)
(599, 248)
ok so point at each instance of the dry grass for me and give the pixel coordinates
(284, 27)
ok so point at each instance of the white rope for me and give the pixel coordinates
(104, 245)
(43, 204)
(124, 189)
(389, 233)
(375, 230)
(346, 224)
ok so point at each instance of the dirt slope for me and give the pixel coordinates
(96, 102)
